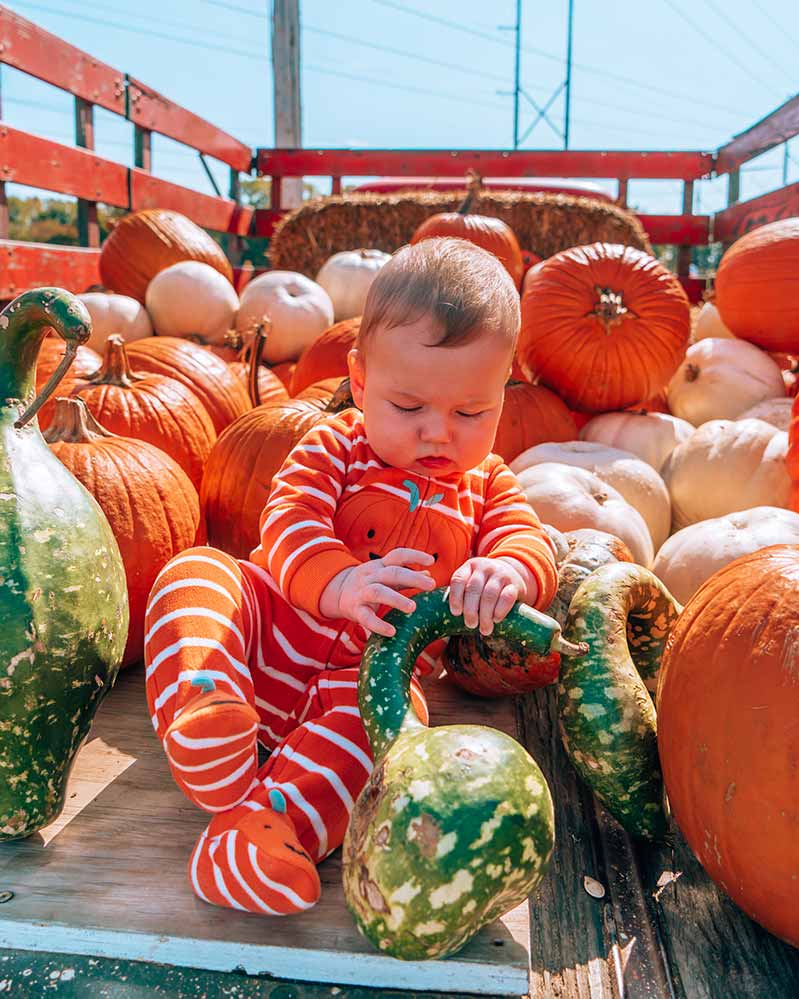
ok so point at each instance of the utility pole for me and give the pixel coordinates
(288, 104)
(568, 100)
(519, 91)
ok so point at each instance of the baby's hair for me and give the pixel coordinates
(463, 287)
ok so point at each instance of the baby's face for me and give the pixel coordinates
(430, 410)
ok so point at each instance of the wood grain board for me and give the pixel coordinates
(112, 882)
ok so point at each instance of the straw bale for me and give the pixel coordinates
(544, 223)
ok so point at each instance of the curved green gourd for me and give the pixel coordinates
(608, 723)
(455, 826)
(63, 601)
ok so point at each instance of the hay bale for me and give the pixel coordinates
(543, 223)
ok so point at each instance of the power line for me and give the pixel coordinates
(470, 70)
(770, 17)
(750, 42)
(585, 67)
(238, 10)
(719, 48)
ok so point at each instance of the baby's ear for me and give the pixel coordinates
(357, 372)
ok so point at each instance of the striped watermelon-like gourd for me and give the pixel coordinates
(455, 826)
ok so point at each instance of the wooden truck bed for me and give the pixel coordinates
(107, 880)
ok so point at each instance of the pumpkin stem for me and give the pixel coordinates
(692, 372)
(116, 368)
(73, 423)
(610, 308)
(474, 184)
(256, 351)
(342, 398)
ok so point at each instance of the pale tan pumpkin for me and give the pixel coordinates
(569, 498)
(777, 412)
(193, 300)
(721, 379)
(638, 482)
(710, 324)
(649, 436)
(347, 277)
(117, 315)
(724, 466)
(694, 553)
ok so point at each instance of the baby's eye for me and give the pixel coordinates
(473, 415)
(406, 409)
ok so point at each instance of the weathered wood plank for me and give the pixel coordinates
(776, 127)
(219, 214)
(35, 265)
(113, 882)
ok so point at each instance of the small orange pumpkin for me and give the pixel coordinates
(531, 414)
(51, 352)
(756, 286)
(152, 408)
(151, 505)
(490, 233)
(604, 325)
(326, 357)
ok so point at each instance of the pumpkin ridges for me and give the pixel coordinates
(531, 414)
(326, 357)
(727, 707)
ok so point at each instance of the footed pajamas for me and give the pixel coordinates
(236, 652)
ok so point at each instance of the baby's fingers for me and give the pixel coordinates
(407, 556)
(403, 579)
(457, 587)
(377, 593)
(366, 617)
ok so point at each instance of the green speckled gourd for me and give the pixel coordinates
(63, 602)
(455, 826)
(607, 719)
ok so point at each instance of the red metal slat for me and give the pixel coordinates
(37, 265)
(764, 134)
(219, 214)
(29, 48)
(29, 159)
(152, 110)
(738, 219)
(683, 230)
(265, 221)
(495, 163)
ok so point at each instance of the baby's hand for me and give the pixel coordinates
(484, 590)
(356, 593)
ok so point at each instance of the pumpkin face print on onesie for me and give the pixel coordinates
(378, 519)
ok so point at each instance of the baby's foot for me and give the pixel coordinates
(256, 863)
(212, 750)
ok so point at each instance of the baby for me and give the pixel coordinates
(398, 496)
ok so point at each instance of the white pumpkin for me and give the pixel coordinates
(710, 324)
(193, 300)
(693, 554)
(298, 308)
(639, 484)
(777, 412)
(650, 436)
(347, 278)
(724, 466)
(568, 498)
(118, 314)
(720, 379)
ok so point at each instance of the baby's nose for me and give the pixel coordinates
(435, 430)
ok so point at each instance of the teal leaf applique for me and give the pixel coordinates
(413, 489)
(433, 500)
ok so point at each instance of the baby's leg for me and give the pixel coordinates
(198, 632)
(262, 860)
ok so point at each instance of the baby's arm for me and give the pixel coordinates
(298, 546)
(514, 561)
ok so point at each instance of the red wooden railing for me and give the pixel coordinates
(77, 171)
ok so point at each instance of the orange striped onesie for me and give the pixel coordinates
(236, 651)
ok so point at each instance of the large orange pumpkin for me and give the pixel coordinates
(51, 352)
(728, 732)
(326, 357)
(756, 286)
(531, 414)
(238, 474)
(148, 407)
(604, 325)
(792, 457)
(151, 505)
(143, 243)
(209, 377)
(490, 233)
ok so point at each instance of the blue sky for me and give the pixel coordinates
(657, 74)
